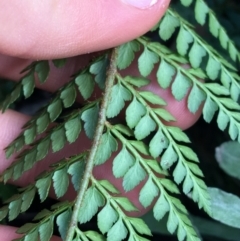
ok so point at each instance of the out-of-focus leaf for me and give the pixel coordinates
(228, 158)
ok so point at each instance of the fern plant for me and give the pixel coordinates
(147, 150)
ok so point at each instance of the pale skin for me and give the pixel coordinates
(31, 30)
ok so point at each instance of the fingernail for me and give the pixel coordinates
(142, 4)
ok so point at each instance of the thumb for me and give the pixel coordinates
(56, 29)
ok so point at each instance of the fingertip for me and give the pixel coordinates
(64, 30)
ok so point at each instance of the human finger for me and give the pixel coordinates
(47, 30)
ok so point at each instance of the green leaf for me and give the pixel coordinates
(144, 127)
(94, 236)
(164, 114)
(234, 91)
(179, 173)
(125, 204)
(99, 68)
(223, 203)
(186, 3)
(14, 209)
(118, 96)
(29, 135)
(195, 169)
(108, 144)
(76, 170)
(118, 231)
(213, 25)
(90, 117)
(172, 222)
(122, 162)
(213, 67)
(180, 86)
(42, 69)
(178, 134)
(46, 230)
(228, 158)
(33, 236)
(195, 98)
(27, 199)
(165, 74)
(152, 98)
(134, 112)
(184, 38)
(123, 129)
(160, 208)
(140, 146)
(68, 95)
(196, 54)
(54, 109)
(133, 177)
(28, 83)
(85, 83)
(18, 169)
(58, 139)
(154, 165)
(158, 143)
(187, 184)
(148, 193)
(126, 53)
(201, 11)
(146, 62)
(224, 40)
(106, 218)
(209, 109)
(168, 26)
(3, 212)
(217, 88)
(188, 153)
(168, 158)
(60, 182)
(9, 151)
(222, 120)
(62, 221)
(232, 51)
(140, 226)
(169, 185)
(93, 199)
(43, 214)
(137, 81)
(108, 186)
(233, 130)
(43, 185)
(73, 128)
(26, 228)
(229, 103)
(43, 148)
(42, 122)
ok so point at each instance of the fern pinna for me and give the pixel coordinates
(132, 123)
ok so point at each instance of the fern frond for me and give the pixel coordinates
(27, 83)
(55, 139)
(43, 228)
(216, 29)
(64, 98)
(57, 176)
(178, 215)
(216, 65)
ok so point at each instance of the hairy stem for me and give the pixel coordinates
(98, 133)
